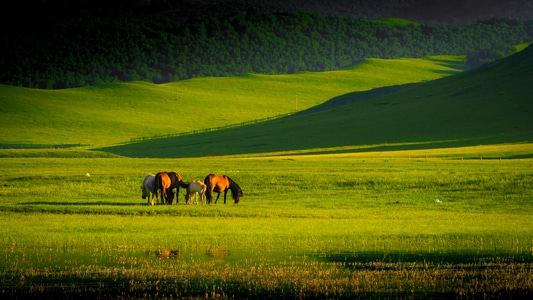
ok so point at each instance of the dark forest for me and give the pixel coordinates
(93, 50)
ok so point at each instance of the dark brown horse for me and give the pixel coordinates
(165, 183)
(218, 183)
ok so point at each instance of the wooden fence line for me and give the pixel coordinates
(155, 137)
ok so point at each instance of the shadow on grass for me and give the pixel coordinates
(440, 275)
(452, 261)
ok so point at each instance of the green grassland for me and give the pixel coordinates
(416, 191)
(116, 113)
(330, 225)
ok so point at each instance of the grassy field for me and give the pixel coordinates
(116, 113)
(420, 191)
(330, 225)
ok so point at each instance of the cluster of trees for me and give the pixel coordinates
(91, 51)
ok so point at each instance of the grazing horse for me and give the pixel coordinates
(195, 187)
(162, 185)
(176, 181)
(166, 182)
(217, 183)
(148, 188)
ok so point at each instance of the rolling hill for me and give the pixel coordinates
(115, 113)
(491, 104)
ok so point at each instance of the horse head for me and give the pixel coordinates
(236, 192)
(237, 198)
(145, 193)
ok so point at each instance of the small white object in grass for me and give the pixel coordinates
(438, 201)
(87, 174)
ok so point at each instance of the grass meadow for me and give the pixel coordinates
(111, 114)
(326, 226)
(422, 191)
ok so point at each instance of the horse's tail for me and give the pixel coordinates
(207, 182)
(160, 187)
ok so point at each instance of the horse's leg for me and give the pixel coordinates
(157, 195)
(225, 193)
(217, 197)
(170, 199)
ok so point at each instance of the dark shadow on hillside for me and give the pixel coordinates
(354, 97)
(456, 65)
(202, 140)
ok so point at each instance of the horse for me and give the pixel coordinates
(218, 183)
(162, 183)
(195, 187)
(166, 182)
(170, 196)
(176, 181)
(148, 188)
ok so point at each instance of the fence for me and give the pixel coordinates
(170, 135)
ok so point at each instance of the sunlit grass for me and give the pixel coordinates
(326, 225)
(118, 112)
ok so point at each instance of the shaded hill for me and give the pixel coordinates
(488, 105)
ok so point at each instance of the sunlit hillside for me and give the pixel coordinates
(116, 113)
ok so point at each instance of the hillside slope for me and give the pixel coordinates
(115, 113)
(488, 105)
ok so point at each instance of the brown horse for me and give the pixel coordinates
(218, 183)
(176, 181)
(166, 182)
(162, 185)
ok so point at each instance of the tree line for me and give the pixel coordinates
(92, 51)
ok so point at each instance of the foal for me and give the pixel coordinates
(194, 188)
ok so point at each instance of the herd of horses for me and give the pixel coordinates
(161, 186)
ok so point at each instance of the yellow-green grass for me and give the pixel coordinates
(349, 224)
(116, 113)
